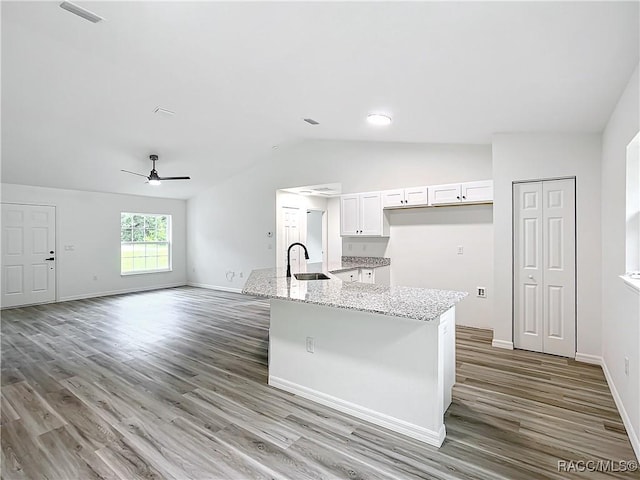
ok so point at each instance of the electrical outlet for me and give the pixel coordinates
(311, 344)
(482, 292)
(626, 366)
(460, 250)
(241, 275)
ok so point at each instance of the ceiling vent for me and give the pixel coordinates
(311, 121)
(81, 12)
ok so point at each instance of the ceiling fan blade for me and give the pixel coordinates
(134, 173)
(174, 178)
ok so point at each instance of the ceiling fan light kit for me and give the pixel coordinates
(153, 177)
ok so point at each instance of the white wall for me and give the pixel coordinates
(90, 221)
(538, 156)
(423, 248)
(620, 304)
(227, 224)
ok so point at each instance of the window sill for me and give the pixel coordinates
(165, 270)
(634, 283)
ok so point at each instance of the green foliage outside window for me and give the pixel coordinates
(144, 242)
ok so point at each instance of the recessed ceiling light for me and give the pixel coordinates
(311, 121)
(164, 111)
(378, 119)
(81, 12)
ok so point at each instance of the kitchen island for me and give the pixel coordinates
(383, 354)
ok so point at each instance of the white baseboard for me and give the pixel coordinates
(120, 292)
(422, 434)
(633, 435)
(215, 287)
(588, 358)
(502, 344)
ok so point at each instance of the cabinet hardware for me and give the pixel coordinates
(458, 197)
(49, 259)
(464, 197)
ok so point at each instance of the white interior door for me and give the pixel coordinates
(544, 267)
(528, 280)
(559, 297)
(292, 234)
(28, 254)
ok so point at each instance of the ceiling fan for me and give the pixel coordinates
(153, 177)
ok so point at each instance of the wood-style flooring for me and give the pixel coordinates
(172, 384)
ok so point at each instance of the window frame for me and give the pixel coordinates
(168, 242)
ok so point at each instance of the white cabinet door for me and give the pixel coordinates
(349, 215)
(371, 214)
(393, 198)
(477, 191)
(444, 194)
(367, 275)
(348, 275)
(28, 257)
(417, 196)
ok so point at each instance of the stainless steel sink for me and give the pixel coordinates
(311, 276)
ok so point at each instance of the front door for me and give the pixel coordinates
(28, 254)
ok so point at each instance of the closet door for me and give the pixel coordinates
(544, 266)
(528, 266)
(559, 296)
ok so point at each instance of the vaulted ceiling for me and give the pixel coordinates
(78, 98)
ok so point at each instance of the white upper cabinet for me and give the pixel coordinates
(371, 214)
(349, 215)
(405, 197)
(460, 193)
(443, 194)
(393, 198)
(361, 215)
(477, 191)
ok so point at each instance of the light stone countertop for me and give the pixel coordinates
(423, 304)
(352, 263)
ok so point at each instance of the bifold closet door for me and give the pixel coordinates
(544, 266)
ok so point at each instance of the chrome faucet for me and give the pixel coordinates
(306, 256)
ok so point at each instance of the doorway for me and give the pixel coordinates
(544, 266)
(28, 254)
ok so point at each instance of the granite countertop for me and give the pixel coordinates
(423, 304)
(351, 263)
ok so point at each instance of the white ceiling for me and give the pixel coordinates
(78, 98)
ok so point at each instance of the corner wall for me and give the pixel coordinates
(90, 221)
(620, 303)
(519, 157)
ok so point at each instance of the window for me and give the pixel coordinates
(632, 257)
(145, 243)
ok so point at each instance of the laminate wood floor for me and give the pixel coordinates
(172, 384)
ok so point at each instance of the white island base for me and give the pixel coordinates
(391, 371)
